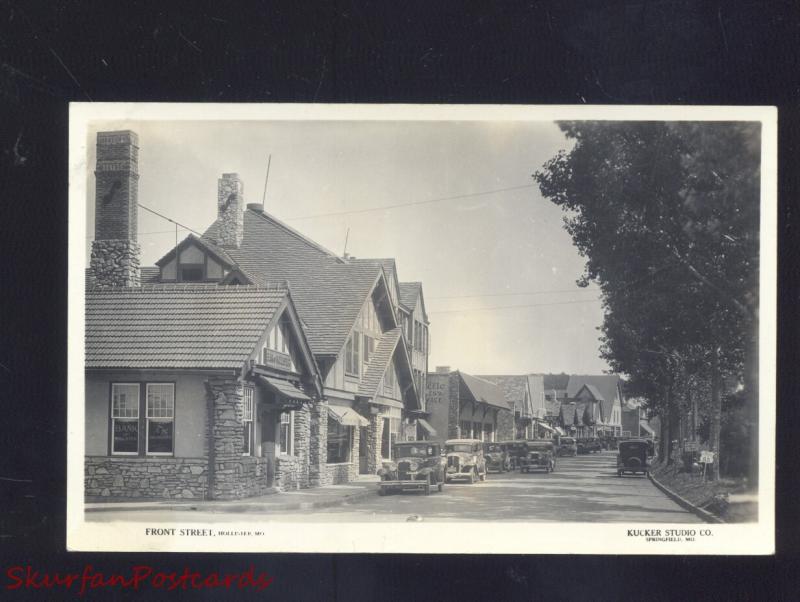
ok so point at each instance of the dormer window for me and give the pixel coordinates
(195, 260)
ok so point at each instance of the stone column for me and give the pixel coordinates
(302, 441)
(318, 445)
(226, 437)
(454, 408)
(374, 432)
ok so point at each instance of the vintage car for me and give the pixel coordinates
(541, 456)
(583, 446)
(418, 466)
(632, 457)
(496, 457)
(568, 446)
(465, 460)
(515, 450)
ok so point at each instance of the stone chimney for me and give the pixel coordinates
(115, 250)
(230, 210)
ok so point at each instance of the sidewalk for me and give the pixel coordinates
(303, 499)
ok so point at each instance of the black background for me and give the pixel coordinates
(560, 51)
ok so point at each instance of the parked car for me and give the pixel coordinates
(465, 460)
(496, 457)
(419, 466)
(632, 457)
(594, 445)
(582, 446)
(515, 449)
(568, 446)
(541, 455)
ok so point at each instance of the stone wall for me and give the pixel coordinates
(153, 477)
(342, 473)
(506, 427)
(374, 432)
(115, 262)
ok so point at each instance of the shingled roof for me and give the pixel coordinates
(409, 293)
(605, 384)
(380, 360)
(513, 388)
(177, 325)
(327, 290)
(483, 391)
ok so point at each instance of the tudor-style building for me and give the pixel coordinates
(605, 389)
(310, 389)
(195, 387)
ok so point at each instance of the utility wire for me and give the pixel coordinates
(456, 311)
(571, 290)
(425, 202)
(169, 219)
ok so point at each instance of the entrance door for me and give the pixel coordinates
(362, 450)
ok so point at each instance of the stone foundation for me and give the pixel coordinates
(341, 473)
(147, 478)
(318, 475)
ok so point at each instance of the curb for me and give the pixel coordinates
(686, 504)
(242, 507)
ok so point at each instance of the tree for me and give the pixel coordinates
(666, 215)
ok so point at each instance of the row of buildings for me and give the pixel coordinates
(251, 359)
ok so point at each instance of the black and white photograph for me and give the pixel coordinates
(332, 328)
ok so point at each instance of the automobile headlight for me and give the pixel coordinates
(474, 459)
(413, 466)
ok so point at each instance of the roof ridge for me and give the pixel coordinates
(198, 287)
(271, 218)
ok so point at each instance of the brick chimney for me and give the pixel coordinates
(115, 250)
(230, 210)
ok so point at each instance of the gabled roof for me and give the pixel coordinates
(410, 292)
(147, 275)
(327, 291)
(379, 362)
(596, 395)
(513, 388)
(553, 406)
(218, 252)
(606, 384)
(178, 325)
(558, 382)
(483, 391)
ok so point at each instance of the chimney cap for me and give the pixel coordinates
(230, 176)
(255, 207)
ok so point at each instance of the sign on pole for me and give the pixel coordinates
(706, 457)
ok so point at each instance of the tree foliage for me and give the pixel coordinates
(667, 218)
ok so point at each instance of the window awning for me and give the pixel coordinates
(427, 426)
(546, 427)
(347, 416)
(283, 388)
(646, 428)
(560, 431)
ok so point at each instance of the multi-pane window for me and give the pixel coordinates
(286, 433)
(247, 421)
(160, 418)
(352, 354)
(125, 418)
(477, 431)
(369, 349)
(466, 429)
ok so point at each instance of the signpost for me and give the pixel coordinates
(706, 458)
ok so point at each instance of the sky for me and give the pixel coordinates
(498, 270)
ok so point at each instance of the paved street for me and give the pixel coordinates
(582, 489)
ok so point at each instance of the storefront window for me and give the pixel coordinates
(160, 418)
(466, 429)
(125, 418)
(339, 438)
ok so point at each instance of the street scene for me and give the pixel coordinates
(581, 489)
(531, 321)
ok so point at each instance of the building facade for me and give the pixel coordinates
(247, 359)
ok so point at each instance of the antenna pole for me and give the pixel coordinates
(266, 181)
(346, 237)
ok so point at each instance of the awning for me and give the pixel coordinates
(646, 427)
(347, 416)
(546, 427)
(560, 431)
(385, 401)
(426, 426)
(283, 388)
